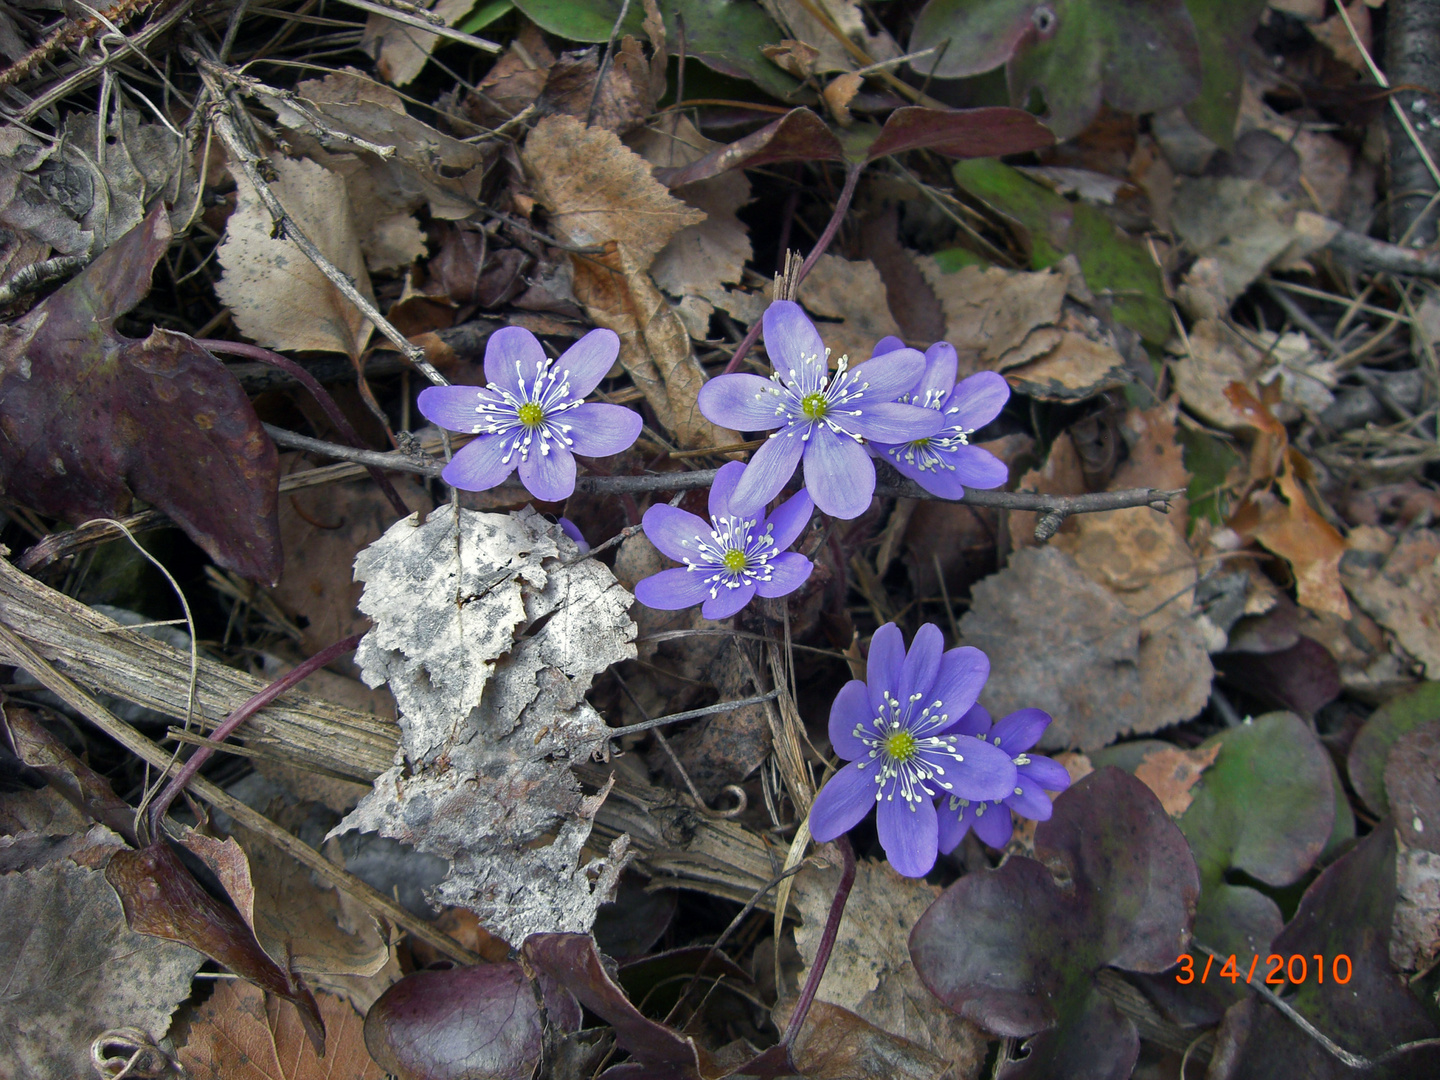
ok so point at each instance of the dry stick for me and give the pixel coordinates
(842, 205)
(20, 654)
(691, 714)
(424, 24)
(322, 398)
(1055, 508)
(239, 716)
(248, 160)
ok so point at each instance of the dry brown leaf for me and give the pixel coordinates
(854, 293)
(70, 968)
(239, 1034)
(835, 1044)
(1172, 772)
(514, 81)
(1404, 595)
(279, 298)
(1061, 642)
(702, 261)
(1335, 36)
(798, 16)
(597, 189)
(870, 972)
(400, 50)
(1061, 474)
(626, 96)
(654, 344)
(989, 310)
(1078, 367)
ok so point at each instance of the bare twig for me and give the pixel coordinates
(249, 162)
(1372, 254)
(1055, 508)
(36, 275)
(691, 714)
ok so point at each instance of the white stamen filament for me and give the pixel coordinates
(499, 412)
(740, 539)
(924, 756)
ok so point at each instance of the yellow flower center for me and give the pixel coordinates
(920, 444)
(734, 560)
(531, 414)
(900, 745)
(814, 406)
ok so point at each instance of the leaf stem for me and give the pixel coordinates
(827, 944)
(842, 206)
(257, 702)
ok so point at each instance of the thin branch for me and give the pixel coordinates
(691, 714)
(249, 162)
(1377, 255)
(827, 943)
(32, 277)
(1053, 508)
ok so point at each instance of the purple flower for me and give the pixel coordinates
(570, 529)
(819, 417)
(944, 463)
(1034, 775)
(532, 414)
(728, 559)
(899, 731)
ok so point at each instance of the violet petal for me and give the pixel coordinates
(838, 473)
(922, 664)
(481, 464)
(843, 802)
(742, 402)
(963, 672)
(1020, 730)
(788, 571)
(850, 708)
(941, 364)
(1029, 800)
(791, 340)
(882, 665)
(888, 343)
(909, 834)
(600, 430)
(452, 407)
(507, 347)
(980, 771)
(671, 590)
(769, 469)
(588, 361)
(790, 517)
(1046, 772)
(892, 422)
(673, 531)
(993, 824)
(976, 467)
(549, 477)
(977, 400)
(728, 601)
(723, 487)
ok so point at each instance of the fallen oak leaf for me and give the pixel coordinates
(1171, 773)
(90, 416)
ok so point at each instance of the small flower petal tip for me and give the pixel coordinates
(898, 730)
(729, 559)
(821, 417)
(945, 463)
(1035, 774)
(532, 414)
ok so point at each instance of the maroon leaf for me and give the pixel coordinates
(573, 961)
(81, 786)
(1016, 951)
(91, 418)
(456, 1024)
(162, 899)
(1347, 912)
(965, 133)
(799, 135)
(1302, 678)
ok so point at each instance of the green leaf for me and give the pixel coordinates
(1114, 264)
(1209, 461)
(724, 35)
(1223, 29)
(1399, 716)
(483, 15)
(1135, 55)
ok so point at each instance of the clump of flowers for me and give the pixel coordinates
(900, 732)
(944, 463)
(532, 414)
(729, 559)
(1035, 774)
(820, 418)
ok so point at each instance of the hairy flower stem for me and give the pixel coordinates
(827, 944)
(322, 398)
(842, 206)
(287, 681)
